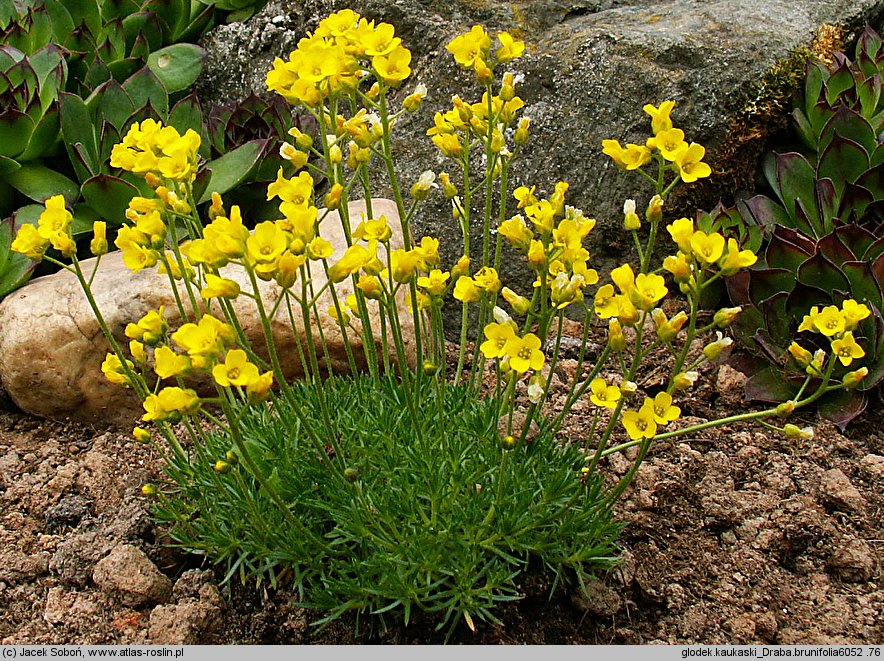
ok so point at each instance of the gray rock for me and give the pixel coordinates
(590, 67)
(51, 347)
(127, 573)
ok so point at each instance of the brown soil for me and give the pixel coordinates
(733, 536)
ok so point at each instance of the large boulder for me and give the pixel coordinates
(51, 346)
(590, 67)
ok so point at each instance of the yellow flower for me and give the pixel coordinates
(519, 303)
(170, 404)
(632, 157)
(641, 423)
(667, 329)
(708, 248)
(690, 165)
(517, 232)
(141, 435)
(616, 338)
(713, 350)
(830, 322)
(449, 144)
(606, 304)
(509, 49)
(664, 411)
(435, 283)
(808, 322)
(136, 349)
(168, 364)
(736, 259)
(258, 389)
(217, 287)
(670, 142)
(469, 47)
(852, 379)
(466, 290)
(371, 286)
(846, 349)
(685, 380)
(393, 68)
(496, 338)
(319, 248)
(29, 243)
(681, 231)
(137, 258)
(114, 371)
(648, 290)
(601, 394)
(150, 329)
(854, 313)
(404, 264)
(525, 196)
(266, 244)
(487, 278)
(228, 236)
(524, 353)
(660, 120)
(236, 370)
(205, 340)
(678, 266)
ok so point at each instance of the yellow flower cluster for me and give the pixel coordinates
(203, 345)
(149, 148)
(668, 143)
(53, 228)
(473, 51)
(552, 241)
(455, 128)
(698, 249)
(640, 292)
(837, 325)
(344, 50)
(517, 353)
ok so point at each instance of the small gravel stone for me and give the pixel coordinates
(838, 492)
(130, 575)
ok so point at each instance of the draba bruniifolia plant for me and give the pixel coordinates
(394, 482)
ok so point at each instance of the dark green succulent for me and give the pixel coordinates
(106, 39)
(265, 122)
(29, 117)
(825, 229)
(15, 269)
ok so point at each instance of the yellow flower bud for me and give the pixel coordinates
(785, 409)
(98, 245)
(520, 137)
(725, 316)
(449, 189)
(794, 432)
(852, 379)
(333, 197)
(141, 435)
(631, 220)
(654, 213)
(616, 338)
(149, 490)
(508, 443)
(222, 466)
(685, 380)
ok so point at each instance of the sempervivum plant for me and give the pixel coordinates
(265, 123)
(825, 229)
(29, 116)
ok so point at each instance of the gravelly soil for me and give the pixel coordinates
(734, 536)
